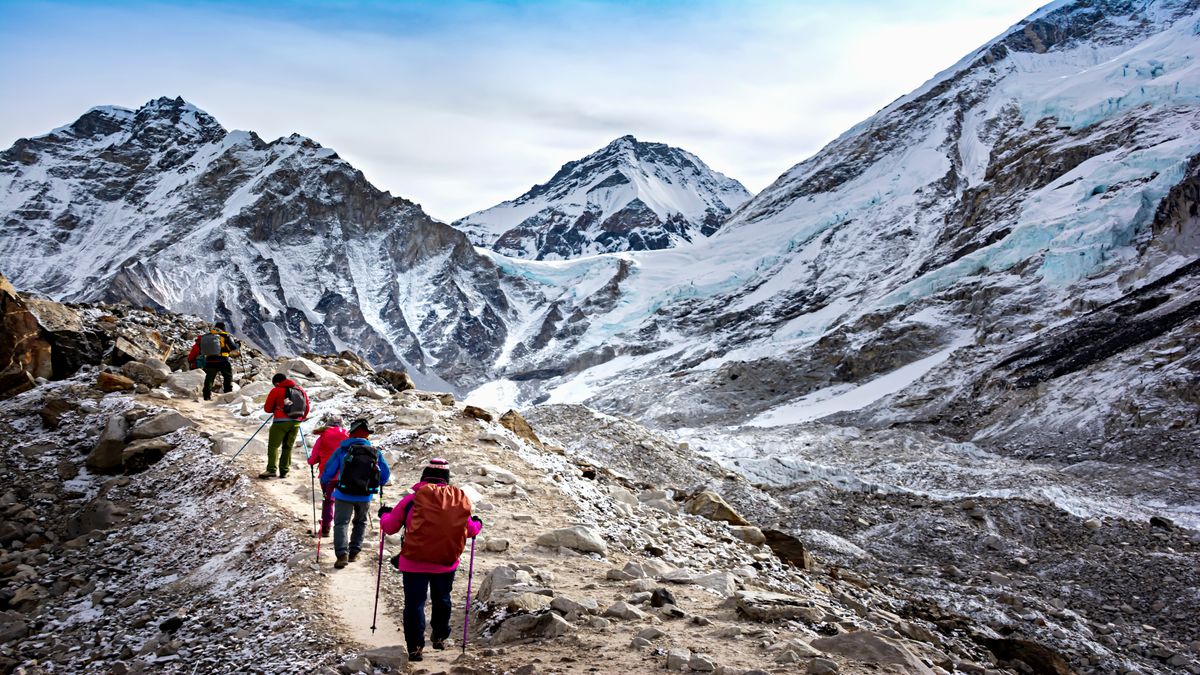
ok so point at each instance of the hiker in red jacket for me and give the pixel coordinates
(329, 436)
(288, 402)
(437, 521)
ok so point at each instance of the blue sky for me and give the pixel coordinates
(460, 105)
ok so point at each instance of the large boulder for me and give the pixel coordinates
(527, 627)
(160, 425)
(188, 384)
(578, 537)
(25, 354)
(140, 455)
(867, 647)
(398, 379)
(789, 549)
(110, 382)
(723, 583)
(769, 606)
(394, 658)
(712, 506)
(151, 372)
(255, 389)
(310, 370)
(481, 414)
(513, 421)
(106, 454)
(139, 344)
(73, 345)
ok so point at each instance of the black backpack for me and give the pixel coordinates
(360, 471)
(293, 403)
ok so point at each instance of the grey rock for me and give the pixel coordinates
(106, 454)
(822, 667)
(152, 372)
(701, 663)
(869, 647)
(387, 657)
(623, 610)
(578, 537)
(723, 583)
(160, 425)
(531, 627)
(187, 384)
(768, 606)
(677, 659)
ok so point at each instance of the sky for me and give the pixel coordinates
(459, 105)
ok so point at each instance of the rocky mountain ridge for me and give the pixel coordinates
(628, 196)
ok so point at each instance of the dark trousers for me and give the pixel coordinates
(416, 587)
(211, 370)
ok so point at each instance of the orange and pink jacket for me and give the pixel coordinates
(392, 521)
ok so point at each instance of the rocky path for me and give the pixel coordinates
(349, 592)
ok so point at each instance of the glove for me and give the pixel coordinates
(384, 509)
(476, 519)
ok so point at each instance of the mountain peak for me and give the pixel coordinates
(628, 195)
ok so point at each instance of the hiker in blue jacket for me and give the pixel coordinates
(360, 471)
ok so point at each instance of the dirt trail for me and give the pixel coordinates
(349, 592)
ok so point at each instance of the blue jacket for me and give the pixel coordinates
(333, 469)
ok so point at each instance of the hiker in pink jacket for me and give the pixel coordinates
(437, 521)
(329, 435)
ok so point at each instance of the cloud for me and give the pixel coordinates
(460, 105)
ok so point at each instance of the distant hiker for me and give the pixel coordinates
(329, 436)
(211, 352)
(437, 521)
(288, 402)
(359, 470)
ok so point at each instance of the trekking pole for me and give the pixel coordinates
(379, 567)
(467, 607)
(260, 428)
(312, 487)
(312, 484)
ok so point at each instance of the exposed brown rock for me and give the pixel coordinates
(107, 382)
(789, 549)
(478, 413)
(398, 379)
(513, 421)
(25, 355)
(710, 505)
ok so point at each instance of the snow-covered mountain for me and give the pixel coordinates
(627, 196)
(284, 240)
(1006, 255)
(1000, 255)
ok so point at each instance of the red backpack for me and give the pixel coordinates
(436, 530)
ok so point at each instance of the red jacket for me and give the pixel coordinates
(192, 355)
(276, 398)
(327, 442)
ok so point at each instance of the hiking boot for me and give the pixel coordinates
(283, 475)
(341, 561)
(353, 556)
(439, 644)
(267, 474)
(415, 654)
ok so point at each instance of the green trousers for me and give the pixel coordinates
(279, 443)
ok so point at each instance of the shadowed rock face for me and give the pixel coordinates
(24, 351)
